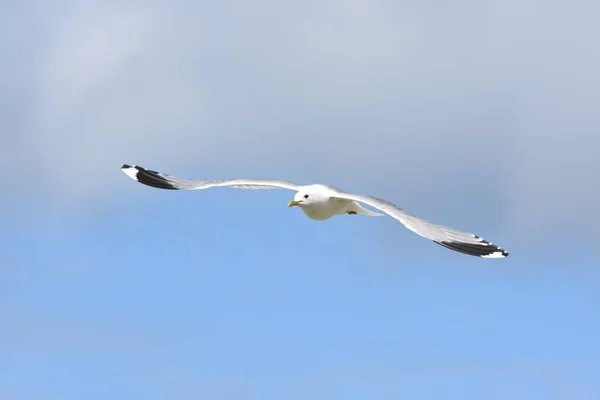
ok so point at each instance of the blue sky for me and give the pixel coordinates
(231, 295)
(481, 116)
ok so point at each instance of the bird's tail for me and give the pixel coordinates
(357, 208)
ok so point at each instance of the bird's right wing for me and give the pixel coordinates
(463, 242)
(164, 181)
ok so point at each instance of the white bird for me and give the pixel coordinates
(321, 202)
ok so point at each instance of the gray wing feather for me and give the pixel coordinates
(451, 238)
(164, 181)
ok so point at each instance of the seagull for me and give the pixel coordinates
(321, 202)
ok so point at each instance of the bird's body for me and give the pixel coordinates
(321, 202)
(323, 205)
(325, 209)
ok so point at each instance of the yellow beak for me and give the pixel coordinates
(293, 203)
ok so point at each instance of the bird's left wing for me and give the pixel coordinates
(463, 242)
(164, 181)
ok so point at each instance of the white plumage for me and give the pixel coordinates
(321, 202)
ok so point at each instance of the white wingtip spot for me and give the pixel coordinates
(497, 254)
(131, 171)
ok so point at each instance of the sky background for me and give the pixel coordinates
(480, 115)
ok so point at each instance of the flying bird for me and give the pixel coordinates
(321, 202)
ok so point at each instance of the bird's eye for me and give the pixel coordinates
(306, 196)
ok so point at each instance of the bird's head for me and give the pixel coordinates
(307, 196)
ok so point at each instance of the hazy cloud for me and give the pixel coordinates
(492, 96)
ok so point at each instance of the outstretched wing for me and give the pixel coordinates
(164, 181)
(463, 242)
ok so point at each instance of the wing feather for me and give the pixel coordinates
(463, 242)
(164, 181)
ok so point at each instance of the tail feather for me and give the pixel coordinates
(361, 210)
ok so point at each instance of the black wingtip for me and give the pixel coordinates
(484, 250)
(148, 177)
